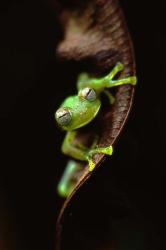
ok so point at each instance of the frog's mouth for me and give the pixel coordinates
(85, 122)
(81, 118)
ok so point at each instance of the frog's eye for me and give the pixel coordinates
(88, 94)
(63, 116)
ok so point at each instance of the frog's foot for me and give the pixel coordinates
(109, 82)
(124, 81)
(118, 68)
(92, 152)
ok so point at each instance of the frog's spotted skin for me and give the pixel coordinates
(79, 110)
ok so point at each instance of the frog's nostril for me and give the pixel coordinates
(63, 116)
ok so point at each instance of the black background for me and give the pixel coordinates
(33, 84)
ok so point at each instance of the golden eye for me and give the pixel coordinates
(88, 93)
(63, 116)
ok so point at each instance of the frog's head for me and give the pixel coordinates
(79, 110)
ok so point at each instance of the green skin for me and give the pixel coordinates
(84, 111)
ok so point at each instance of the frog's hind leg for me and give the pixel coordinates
(109, 82)
(118, 68)
(69, 178)
(132, 80)
(110, 96)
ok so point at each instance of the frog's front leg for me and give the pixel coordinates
(69, 178)
(82, 153)
(78, 152)
(100, 150)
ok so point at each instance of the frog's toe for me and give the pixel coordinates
(91, 165)
(109, 150)
(120, 66)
